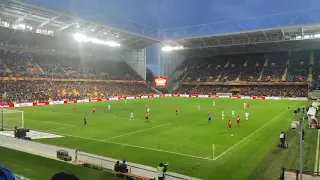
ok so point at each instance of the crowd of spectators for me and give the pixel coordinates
(279, 91)
(250, 67)
(28, 91)
(27, 64)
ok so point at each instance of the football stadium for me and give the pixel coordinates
(174, 90)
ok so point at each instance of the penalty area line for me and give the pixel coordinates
(133, 146)
(232, 147)
(48, 122)
(115, 137)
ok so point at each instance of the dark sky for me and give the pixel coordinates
(148, 16)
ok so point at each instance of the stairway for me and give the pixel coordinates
(225, 66)
(40, 68)
(218, 78)
(266, 62)
(310, 75)
(6, 68)
(261, 74)
(311, 62)
(284, 76)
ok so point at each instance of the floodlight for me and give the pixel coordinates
(317, 36)
(80, 37)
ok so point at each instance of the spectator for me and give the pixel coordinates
(117, 167)
(161, 171)
(123, 167)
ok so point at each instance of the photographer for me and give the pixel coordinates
(282, 138)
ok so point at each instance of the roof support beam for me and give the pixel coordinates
(67, 26)
(283, 36)
(265, 36)
(48, 21)
(22, 17)
(302, 33)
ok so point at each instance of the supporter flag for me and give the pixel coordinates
(299, 78)
(268, 78)
(251, 78)
(75, 92)
(49, 100)
(232, 65)
(63, 92)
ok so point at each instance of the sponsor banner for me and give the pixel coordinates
(23, 105)
(203, 96)
(160, 95)
(113, 99)
(273, 98)
(56, 102)
(130, 97)
(193, 95)
(84, 100)
(156, 96)
(213, 96)
(137, 97)
(151, 96)
(246, 97)
(259, 97)
(183, 95)
(235, 97)
(122, 98)
(175, 95)
(40, 104)
(69, 101)
(167, 95)
(160, 82)
(223, 96)
(6, 105)
(144, 97)
(105, 99)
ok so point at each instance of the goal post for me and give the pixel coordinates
(9, 119)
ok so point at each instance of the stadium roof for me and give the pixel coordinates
(59, 24)
(291, 37)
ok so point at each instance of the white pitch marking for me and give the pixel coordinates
(48, 122)
(55, 129)
(252, 134)
(316, 167)
(129, 145)
(136, 132)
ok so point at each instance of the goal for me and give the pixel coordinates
(9, 119)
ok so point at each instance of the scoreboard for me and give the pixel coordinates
(160, 82)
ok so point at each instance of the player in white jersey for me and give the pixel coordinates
(109, 107)
(244, 105)
(125, 102)
(223, 115)
(213, 103)
(198, 107)
(131, 117)
(233, 112)
(148, 110)
(247, 115)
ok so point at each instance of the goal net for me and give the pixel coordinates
(9, 119)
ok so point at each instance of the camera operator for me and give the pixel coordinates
(161, 170)
(282, 138)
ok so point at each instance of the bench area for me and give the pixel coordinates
(117, 174)
(129, 176)
(89, 164)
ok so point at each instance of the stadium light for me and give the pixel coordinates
(170, 48)
(82, 38)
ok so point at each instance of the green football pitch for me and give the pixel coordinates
(184, 140)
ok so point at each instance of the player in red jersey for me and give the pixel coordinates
(230, 126)
(177, 111)
(74, 108)
(147, 118)
(94, 110)
(238, 121)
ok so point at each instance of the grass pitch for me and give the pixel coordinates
(184, 140)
